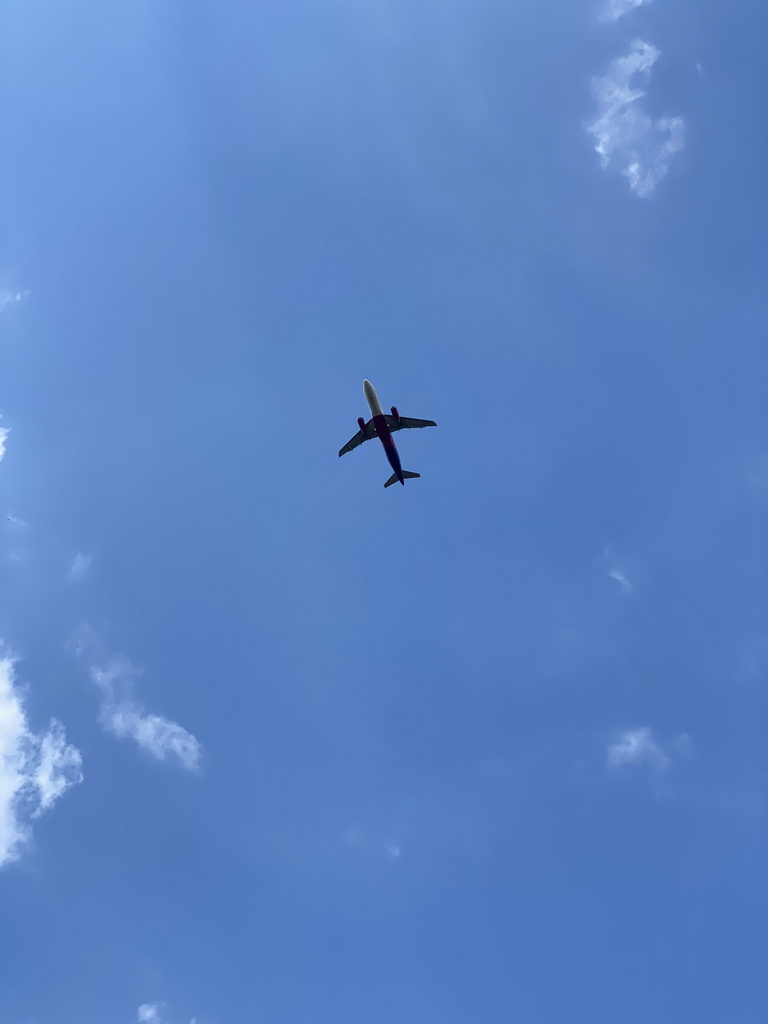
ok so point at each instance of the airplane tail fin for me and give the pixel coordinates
(406, 476)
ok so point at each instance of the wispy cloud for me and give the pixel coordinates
(615, 9)
(616, 573)
(621, 579)
(7, 296)
(624, 132)
(355, 837)
(4, 432)
(80, 566)
(125, 717)
(157, 735)
(36, 769)
(151, 1013)
(13, 524)
(638, 748)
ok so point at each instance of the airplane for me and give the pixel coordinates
(382, 426)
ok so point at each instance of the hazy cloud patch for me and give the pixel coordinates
(8, 296)
(125, 717)
(14, 525)
(621, 579)
(638, 748)
(615, 9)
(151, 1013)
(36, 769)
(358, 839)
(625, 134)
(80, 566)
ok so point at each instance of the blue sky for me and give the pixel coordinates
(278, 745)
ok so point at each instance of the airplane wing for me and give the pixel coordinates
(405, 423)
(360, 436)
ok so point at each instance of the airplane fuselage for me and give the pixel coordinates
(382, 430)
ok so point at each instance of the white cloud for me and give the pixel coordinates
(57, 767)
(155, 734)
(355, 837)
(150, 1013)
(126, 718)
(622, 580)
(638, 747)
(36, 769)
(4, 432)
(80, 566)
(615, 9)
(624, 132)
(615, 573)
(7, 297)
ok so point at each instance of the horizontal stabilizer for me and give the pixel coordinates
(406, 475)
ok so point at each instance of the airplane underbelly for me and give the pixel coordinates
(383, 431)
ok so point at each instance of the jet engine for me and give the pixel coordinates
(395, 415)
(361, 423)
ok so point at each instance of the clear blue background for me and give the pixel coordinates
(227, 216)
